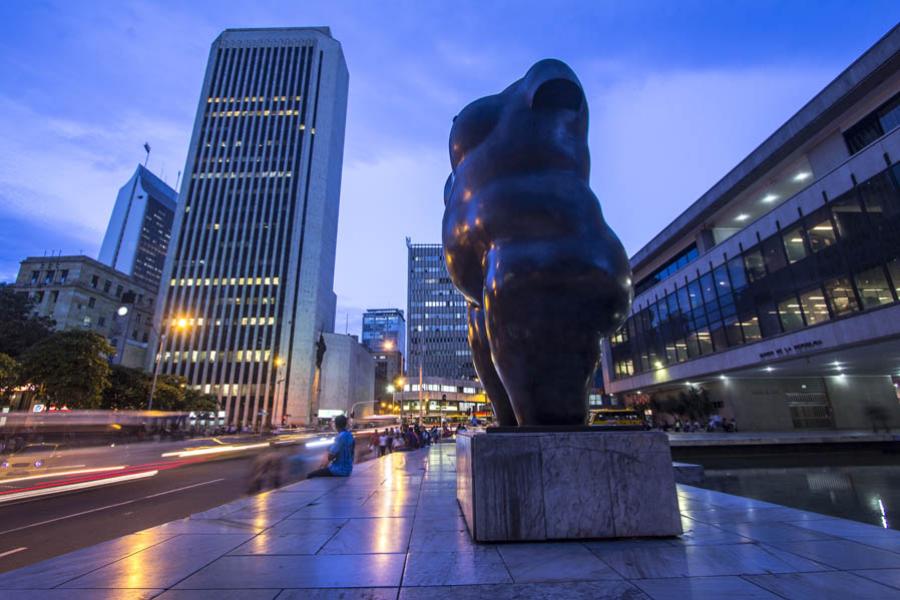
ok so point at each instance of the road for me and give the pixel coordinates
(34, 529)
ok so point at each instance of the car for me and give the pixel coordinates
(618, 418)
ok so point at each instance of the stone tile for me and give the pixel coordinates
(55, 571)
(306, 526)
(79, 594)
(359, 511)
(842, 554)
(594, 590)
(772, 532)
(337, 571)
(824, 586)
(889, 577)
(696, 533)
(371, 536)
(530, 563)
(441, 541)
(219, 595)
(289, 543)
(340, 594)
(703, 588)
(455, 568)
(161, 566)
(693, 561)
(751, 515)
(201, 526)
(891, 544)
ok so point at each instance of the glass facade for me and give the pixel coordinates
(832, 263)
(438, 325)
(384, 330)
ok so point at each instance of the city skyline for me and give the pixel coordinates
(683, 85)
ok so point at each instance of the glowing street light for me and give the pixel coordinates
(178, 324)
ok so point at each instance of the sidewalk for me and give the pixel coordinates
(777, 438)
(394, 530)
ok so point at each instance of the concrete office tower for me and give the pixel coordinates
(140, 227)
(251, 270)
(437, 338)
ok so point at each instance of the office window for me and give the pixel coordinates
(794, 244)
(35, 275)
(769, 322)
(38, 297)
(91, 302)
(873, 288)
(118, 291)
(63, 275)
(750, 325)
(106, 286)
(48, 278)
(773, 254)
(848, 216)
(814, 308)
(894, 272)
(95, 281)
(54, 295)
(101, 321)
(756, 266)
(736, 270)
(819, 230)
(840, 295)
(789, 313)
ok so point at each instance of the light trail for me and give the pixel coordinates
(319, 443)
(44, 490)
(13, 551)
(214, 450)
(63, 473)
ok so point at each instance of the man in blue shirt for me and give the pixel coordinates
(340, 454)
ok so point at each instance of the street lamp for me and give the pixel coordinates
(180, 324)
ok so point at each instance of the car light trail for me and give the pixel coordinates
(214, 450)
(319, 443)
(62, 473)
(43, 491)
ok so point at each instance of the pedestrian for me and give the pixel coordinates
(382, 443)
(340, 454)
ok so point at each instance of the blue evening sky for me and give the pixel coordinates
(679, 92)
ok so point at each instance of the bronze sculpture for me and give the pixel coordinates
(526, 244)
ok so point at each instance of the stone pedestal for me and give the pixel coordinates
(574, 485)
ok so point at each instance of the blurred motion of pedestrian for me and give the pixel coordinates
(267, 468)
(340, 454)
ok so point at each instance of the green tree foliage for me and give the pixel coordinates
(9, 376)
(128, 389)
(19, 328)
(69, 368)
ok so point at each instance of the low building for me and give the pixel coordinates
(347, 378)
(384, 334)
(442, 400)
(775, 297)
(78, 292)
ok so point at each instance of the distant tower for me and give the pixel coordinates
(437, 338)
(251, 270)
(139, 228)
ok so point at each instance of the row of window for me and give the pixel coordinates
(840, 259)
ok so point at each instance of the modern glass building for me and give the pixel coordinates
(384, 329)
(140, 228)
(437, 342)
(778, 291)
(249, 277)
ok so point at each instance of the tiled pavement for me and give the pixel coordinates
(394, 530)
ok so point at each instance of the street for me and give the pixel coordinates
(33, 529)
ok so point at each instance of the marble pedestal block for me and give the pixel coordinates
(566, 485)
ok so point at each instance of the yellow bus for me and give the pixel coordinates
(617, 418)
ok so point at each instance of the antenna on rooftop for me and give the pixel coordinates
(147, 149)
(177, 181)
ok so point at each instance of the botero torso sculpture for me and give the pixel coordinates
(525, 242)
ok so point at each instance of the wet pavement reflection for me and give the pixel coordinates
(865, 493)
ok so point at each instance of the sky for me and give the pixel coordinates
(678, 93)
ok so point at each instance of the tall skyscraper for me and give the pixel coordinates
(437, 327)
(140, 228)
(251, 271)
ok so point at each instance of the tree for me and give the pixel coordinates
(69, 368)
(19, 328)
(199, 402)
(128, 389)
(9, 376)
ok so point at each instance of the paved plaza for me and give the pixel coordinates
(394, 530)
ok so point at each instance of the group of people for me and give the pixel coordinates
(406, 438)
(715, 423)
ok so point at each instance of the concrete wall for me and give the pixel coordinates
(348, 375)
